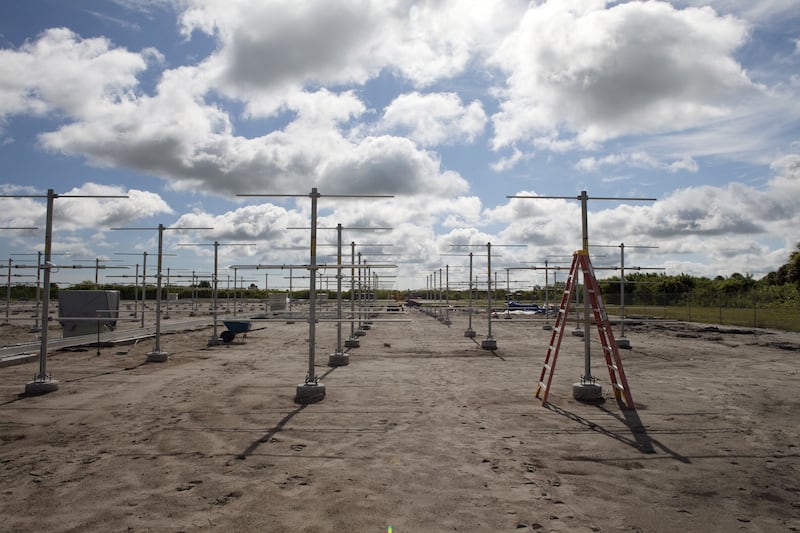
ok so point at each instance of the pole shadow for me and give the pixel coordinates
(493, 352)
(277, 428)
(271, 433)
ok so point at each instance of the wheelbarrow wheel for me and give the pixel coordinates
(227, 336)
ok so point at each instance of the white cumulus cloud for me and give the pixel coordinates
(434, 119)
(592, 72)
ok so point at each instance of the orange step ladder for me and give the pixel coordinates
(581, 261)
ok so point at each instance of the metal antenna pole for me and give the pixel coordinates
(339, 358)
(291, 291)
(508, 293)
(360, 299)
(587, 360)
(8, 293)
(353, 341)
(339, 351)
(447, 296)
(157, 356)
(38, 292)
(622, 342)
(311, 390)
(215, 339)
(470, 333)
(427, 296)
(439, 300)
(312, 294)
(489, 343)
(42, 382)
(136, 292)
(547, 326)
(144, 283)
(214, 295)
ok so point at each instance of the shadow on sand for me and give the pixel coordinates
(638, 438)
(277, 428)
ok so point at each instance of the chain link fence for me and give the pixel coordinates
(747, 310)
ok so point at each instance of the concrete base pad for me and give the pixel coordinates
(623, 343)
(577, 333)
(547, 327)
(338, 359)
(214, 341)
(352, 343)
(489, 344)
(359, 333)
(587, 392)
(157, 357)
(470, 333)
(366, 326)
(41, 387)
(309, 392)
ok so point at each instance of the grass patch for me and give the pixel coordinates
(771, 318)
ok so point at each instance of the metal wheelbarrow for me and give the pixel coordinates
(234, 328)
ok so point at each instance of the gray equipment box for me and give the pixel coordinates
(90, 305)
(277, 301)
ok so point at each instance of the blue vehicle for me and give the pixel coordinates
(519, 306)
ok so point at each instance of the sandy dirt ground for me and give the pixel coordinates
(422, 431)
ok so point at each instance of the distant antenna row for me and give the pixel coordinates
(364, 281)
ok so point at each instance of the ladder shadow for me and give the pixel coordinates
(638, 440)
(631, 419)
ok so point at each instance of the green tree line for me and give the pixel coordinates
(780, 288)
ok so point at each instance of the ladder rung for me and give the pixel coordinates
(618, 386)
(547, 367)
(613, 367)
(542, 385)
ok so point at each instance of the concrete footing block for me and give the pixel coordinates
(157, 357)
(338, 359)
(309, 393)
(352, 343)
(489, 344)
(214, 341)
(587, 392)
(41, 387)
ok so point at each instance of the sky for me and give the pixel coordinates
(680, 120)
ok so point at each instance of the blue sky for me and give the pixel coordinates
(450, 106)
